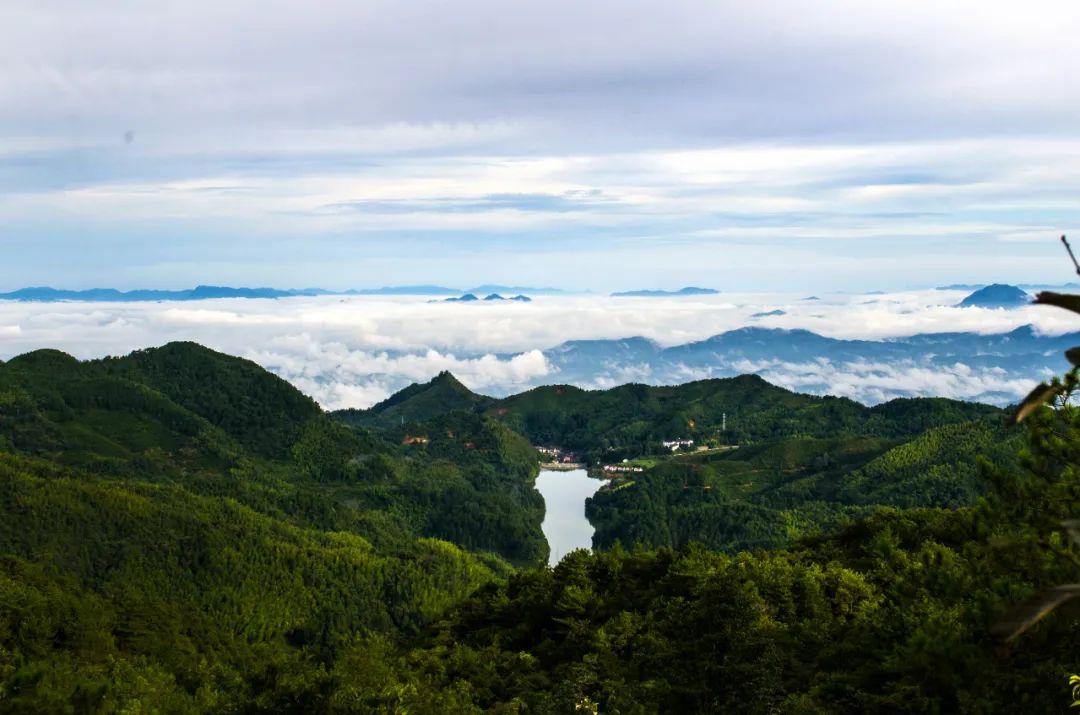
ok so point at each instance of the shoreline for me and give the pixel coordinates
(561, 467)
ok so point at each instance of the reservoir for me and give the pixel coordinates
(565, 525)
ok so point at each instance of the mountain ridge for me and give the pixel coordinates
(647, 293)
(47, 294)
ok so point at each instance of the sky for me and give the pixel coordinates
(773, 145)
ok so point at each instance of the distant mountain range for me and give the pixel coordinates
(996, 369)
(45, 294)
(205, 292)
(989, 368)
(471, 297)
(812, 361)
(689, 290)
(1024, 286)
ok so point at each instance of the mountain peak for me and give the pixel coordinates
(43, 358)
(447, 379)
(423, 400)
(997, 295)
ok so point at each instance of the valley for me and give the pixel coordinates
(186, 529)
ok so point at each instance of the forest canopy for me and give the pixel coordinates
(184, 532)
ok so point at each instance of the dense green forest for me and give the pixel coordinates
(773, 492)
(634, 420)
(803, 463)
(224, 427)
(184, 532)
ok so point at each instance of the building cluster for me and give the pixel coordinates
(557, 455)
(674, 444)
(621, 468)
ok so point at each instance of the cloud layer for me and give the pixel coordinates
(352, 352)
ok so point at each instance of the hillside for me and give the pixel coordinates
(225, 427)
(265, 413)
(51, 405)
(773, 492)
(113, 593)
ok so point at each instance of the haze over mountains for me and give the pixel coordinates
(682, 292)
(999, 365)
(995, 368)
(355, 350)
(205, 292)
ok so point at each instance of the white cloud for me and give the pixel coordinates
(727, 140)
(352, 352)
(874, 382)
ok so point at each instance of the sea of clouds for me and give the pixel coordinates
(355, 351)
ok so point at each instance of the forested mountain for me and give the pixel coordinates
(771, 493)
(803, 464)
(183, 532)
(223, 426)
(265, 413)
(633, 419)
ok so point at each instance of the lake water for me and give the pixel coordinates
(565, 525)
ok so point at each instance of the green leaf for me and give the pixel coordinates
(1067, 301)
(1042, 394)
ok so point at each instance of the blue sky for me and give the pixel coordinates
(745, 146)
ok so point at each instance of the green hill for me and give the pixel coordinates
(260, 410)
(225, 427)
(804, 463)
(770, 493)
(633, 420)
(53, 405)
(419, 402)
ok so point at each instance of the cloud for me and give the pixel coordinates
(340, 378)
(875, 382)
(466, 143)
(352, 352)
(541, 203)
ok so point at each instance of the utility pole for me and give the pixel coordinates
(723, 422)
